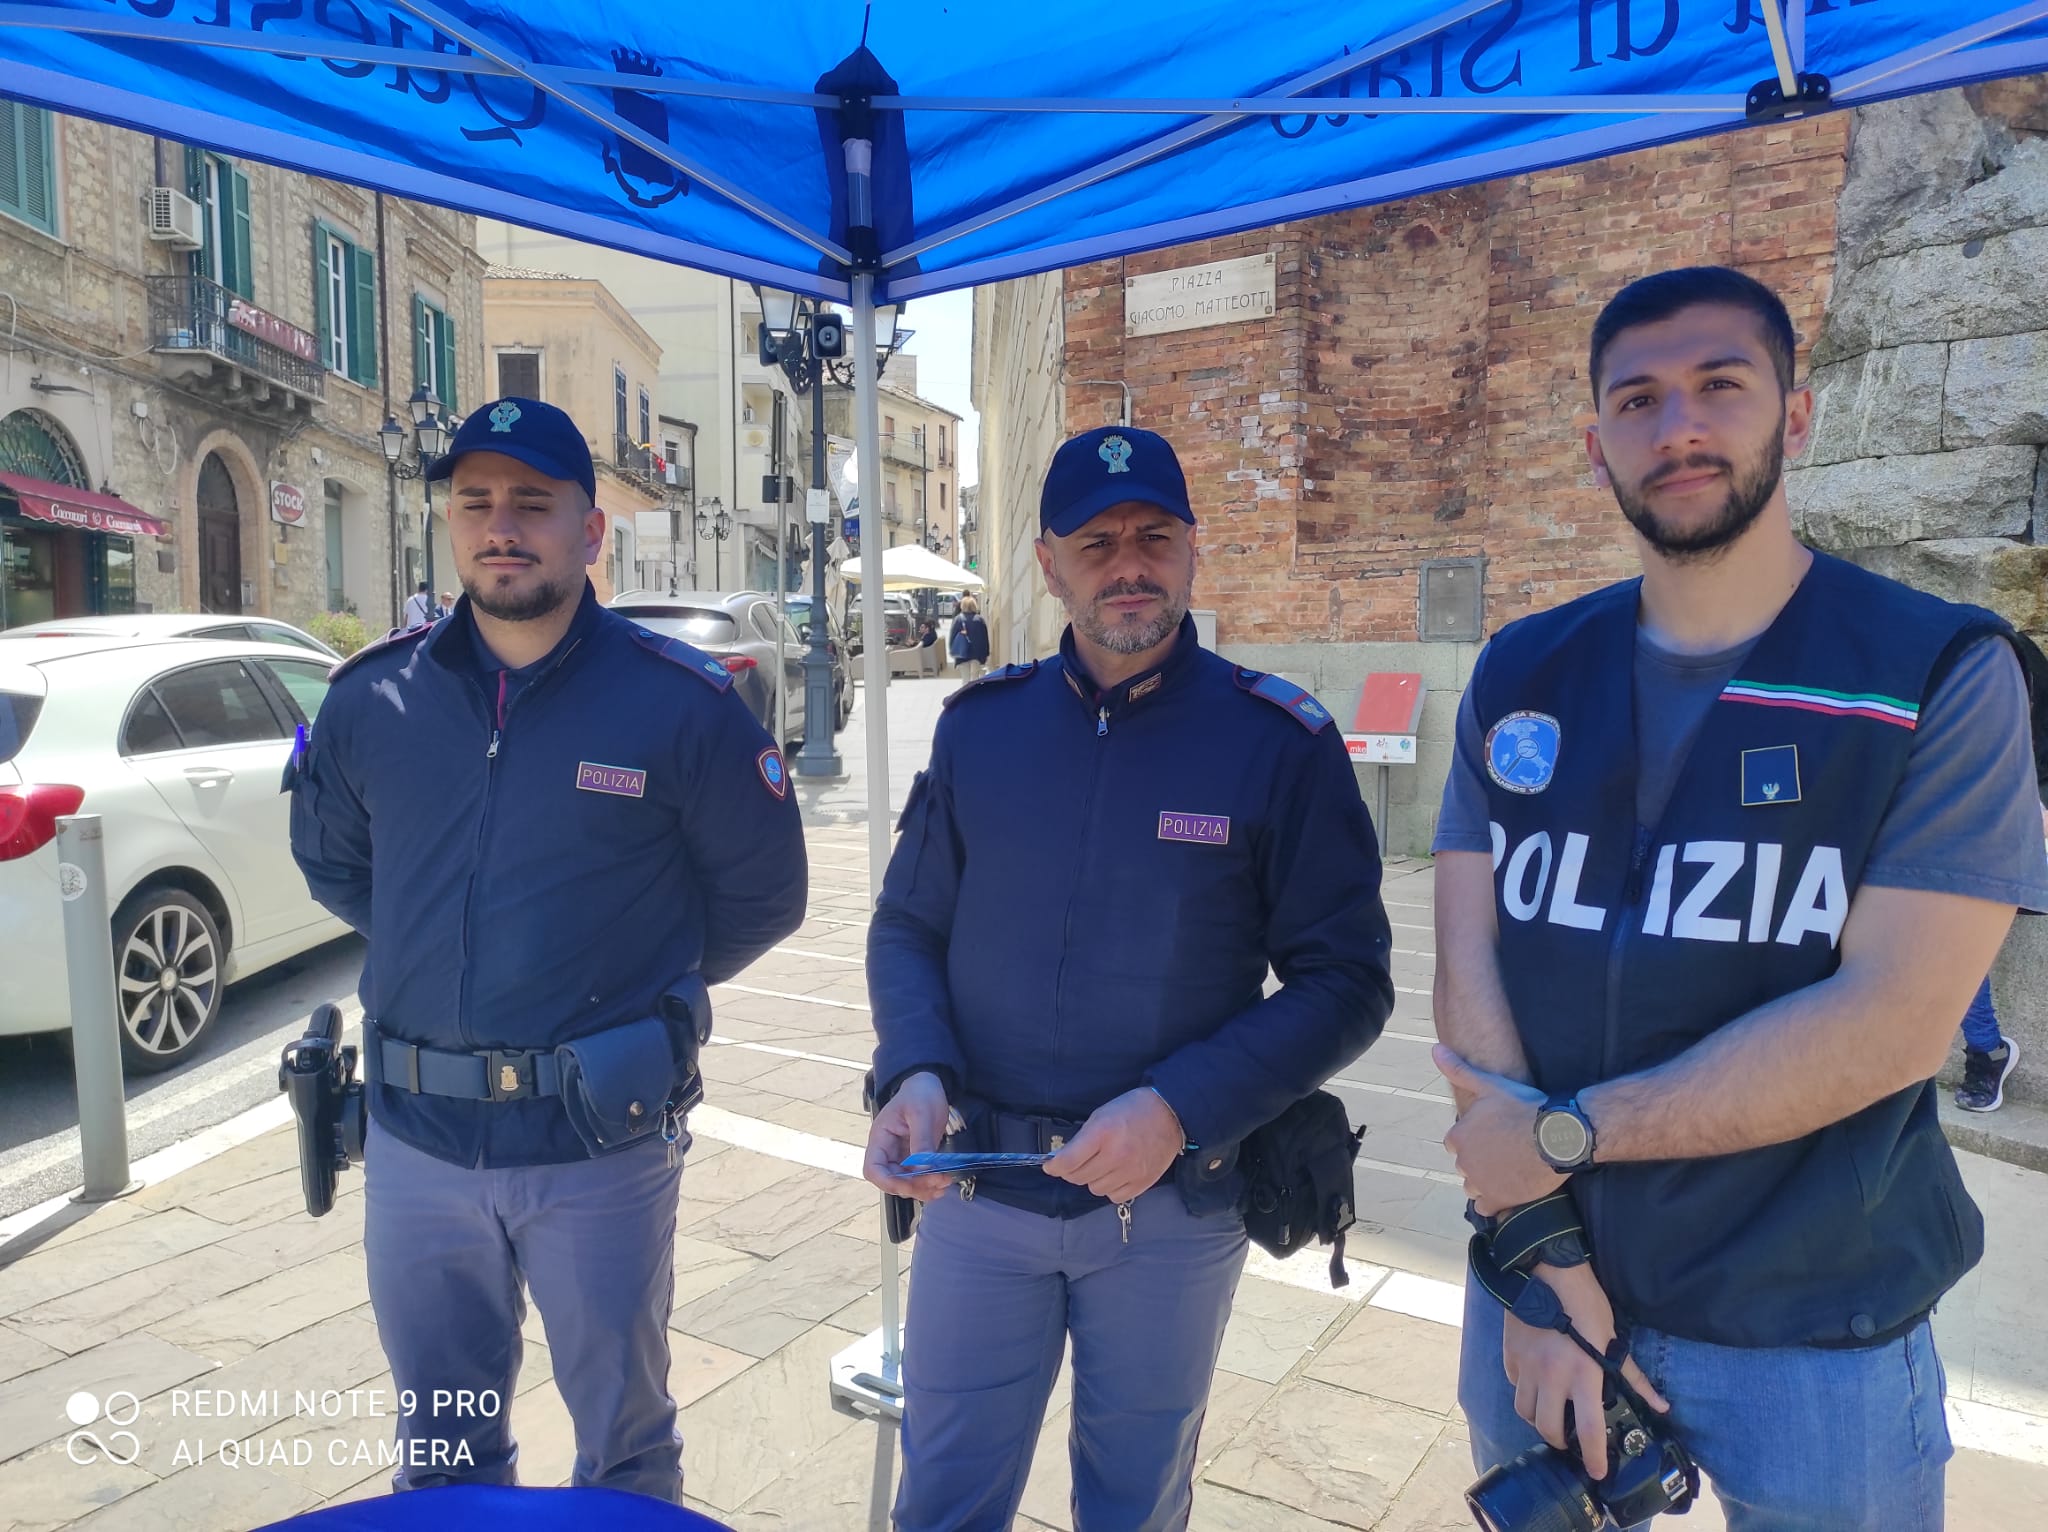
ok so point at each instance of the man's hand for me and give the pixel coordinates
(1549, 1372)
(913, 1122)
(1494, 1138)
(1123, 1148)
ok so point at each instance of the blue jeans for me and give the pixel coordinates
(1794, 1439)
(995, 1295)
(1980, 1021)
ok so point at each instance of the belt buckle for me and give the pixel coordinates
(508, 1072)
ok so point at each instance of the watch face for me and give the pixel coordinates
(1561, 1136)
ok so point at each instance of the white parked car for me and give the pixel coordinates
(152, 625)
(180, 747)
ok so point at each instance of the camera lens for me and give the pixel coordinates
(1540, 1491)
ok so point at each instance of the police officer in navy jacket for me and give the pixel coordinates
(1723, 854)
(545, 820)
(1109, 849)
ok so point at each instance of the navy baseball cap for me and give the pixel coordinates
(1105, 467)
(537, 434)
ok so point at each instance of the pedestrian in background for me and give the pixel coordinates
(968, 640)
(602, 831)
(419, 608)
(1108, 851)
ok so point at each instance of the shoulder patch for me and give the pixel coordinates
(1007, 673)
(397, 638)
(695, 661)
(1285, 695)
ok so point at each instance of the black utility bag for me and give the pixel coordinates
(1298, 1180)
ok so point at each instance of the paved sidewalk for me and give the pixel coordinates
(211, 1286)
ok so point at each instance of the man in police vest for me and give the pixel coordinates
(1723, 854)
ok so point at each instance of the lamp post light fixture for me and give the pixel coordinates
(808, 342)
(430, 433)
(715, 521)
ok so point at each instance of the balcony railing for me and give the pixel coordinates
(633, 460)
(196, 315)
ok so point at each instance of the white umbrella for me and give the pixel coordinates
(911, 567)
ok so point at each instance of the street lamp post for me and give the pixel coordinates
(808, 343)
(716, 523)
(430, 440)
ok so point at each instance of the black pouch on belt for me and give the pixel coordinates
(1298, 1180)
(617, 1085)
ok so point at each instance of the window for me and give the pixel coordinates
(149, 728)
(28, 164)
(304, 682)
(618, 400)
(433, 352)
(942, 444)
(18, 712)
(217, 704)
(646, 420)
(763, 618)
(888, 428)
(519, 374)
(345, 305)
(330, 517)
(942, 488)
(222, 193)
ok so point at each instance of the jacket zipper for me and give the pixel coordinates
(1059, 981)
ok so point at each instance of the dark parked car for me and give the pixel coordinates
(836, 646)
(738, 628)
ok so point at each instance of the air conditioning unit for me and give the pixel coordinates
(175, 218)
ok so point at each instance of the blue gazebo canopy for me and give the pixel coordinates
(1005, 138)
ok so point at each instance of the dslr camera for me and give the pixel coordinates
(318, 1076)
(1545, 1490)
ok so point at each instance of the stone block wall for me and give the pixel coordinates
(1929, 460)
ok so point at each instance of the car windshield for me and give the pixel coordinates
(17, 716)
(698, 624)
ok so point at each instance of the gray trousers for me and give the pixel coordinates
(995, 1294)
(452, 1252)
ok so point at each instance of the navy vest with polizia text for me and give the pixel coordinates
(1622, 945)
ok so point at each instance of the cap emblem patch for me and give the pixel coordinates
(1116, 452)
(503, 416)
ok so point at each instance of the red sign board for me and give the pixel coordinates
(245, 316)
(287, 504)
(1383, 724)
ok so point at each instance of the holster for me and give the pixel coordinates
(317, 1075)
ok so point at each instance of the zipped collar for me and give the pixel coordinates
(1159, 679)
(455, 642)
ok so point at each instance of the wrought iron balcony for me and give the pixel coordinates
(636, 463)
(221, 342)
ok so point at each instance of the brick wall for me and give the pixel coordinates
(1420, 391)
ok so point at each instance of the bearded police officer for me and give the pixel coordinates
(1724, 852)
(555, 828)
(1108, 850)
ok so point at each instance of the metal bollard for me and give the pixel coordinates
(95, 1019)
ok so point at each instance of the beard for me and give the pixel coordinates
(517, 606)
(1126, 635)
(1749, 491)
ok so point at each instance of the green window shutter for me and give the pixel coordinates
(449, 372)
(420, 341)
(362, 357)
(11, 136)
(195, 173)
(324, 320)
(36, 135)
(244, 279)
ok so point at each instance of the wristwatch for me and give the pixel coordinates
(1564, 1135)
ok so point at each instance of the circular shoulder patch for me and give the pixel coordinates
(1521, 752)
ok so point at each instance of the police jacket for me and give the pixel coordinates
(1090, 886)
(1622, 945)
(532, 865)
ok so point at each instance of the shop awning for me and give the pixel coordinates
(66, 505)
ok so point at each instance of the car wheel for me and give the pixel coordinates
(168, 961)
